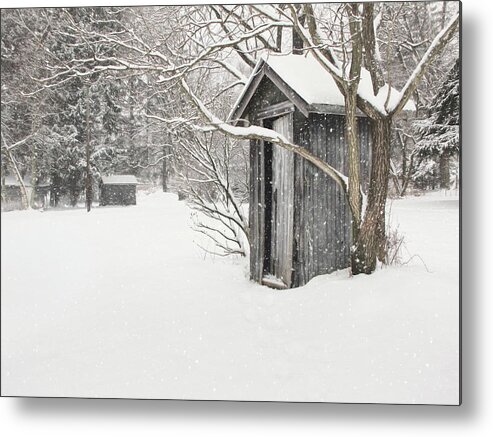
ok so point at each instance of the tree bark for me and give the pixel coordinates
(55, 190)
(354, 179)
(370, 243)
(74, 191)
(370, 53)
(34, 177)
(88, 155)
(164, 170)
(20, 180)
(407, 176)
(444, 172)
(350, 103)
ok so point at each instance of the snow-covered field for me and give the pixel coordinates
(122, 303)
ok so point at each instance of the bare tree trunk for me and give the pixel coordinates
(407, 176)
(279, 40)
(34, 177)
(404, 158)
(350, 101)
(354, 180)
(24, 196)
(88, 156)
(55, 190)
(370, 53)
(370, 244)
(164, 169)
(444, 13)
(444, 172)
(74, 191)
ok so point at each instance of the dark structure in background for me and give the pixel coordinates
(300, 224)
(118, 190)
(38, 193)
(12, 194)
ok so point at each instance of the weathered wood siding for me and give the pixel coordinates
(322, 218)
(266, 95)
(282, 204)
(117, 195)
(256, 210)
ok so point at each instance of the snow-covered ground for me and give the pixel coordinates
(122, 303)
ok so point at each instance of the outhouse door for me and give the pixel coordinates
(281, 244)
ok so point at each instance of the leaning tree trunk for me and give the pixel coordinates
(370, 243)
(20, 180)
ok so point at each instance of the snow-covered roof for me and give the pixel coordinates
(308, 78)
(313, 84)
(120, 179)
(11, 181)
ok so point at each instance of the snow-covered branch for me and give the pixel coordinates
(15, 167)
(263, 134)
(436, 47)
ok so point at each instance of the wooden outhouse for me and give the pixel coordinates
(300, 224)
(118, 190)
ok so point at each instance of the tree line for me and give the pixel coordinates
(160, 81)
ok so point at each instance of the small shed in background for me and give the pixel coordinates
(118, 190)
(38, 193)
(300, 223)
(12, 194)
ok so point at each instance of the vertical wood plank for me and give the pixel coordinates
(283, 192)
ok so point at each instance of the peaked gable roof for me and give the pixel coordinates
(11, 181)
(307, 84)
(28, 180)
(120, 179)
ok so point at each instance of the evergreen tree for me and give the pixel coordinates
(57, 115)
(439, 133)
